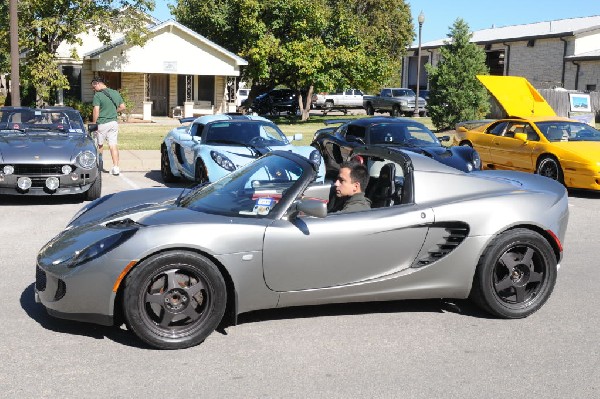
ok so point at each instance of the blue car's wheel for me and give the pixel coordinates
(200, 172)
(174, 300)
(165, 166)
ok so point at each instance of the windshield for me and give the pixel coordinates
(253, 133)
(252, 191)
(568, 131)
(37, 120)
(403, 92)
(406, 134)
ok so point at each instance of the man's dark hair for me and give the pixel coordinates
(98, 79)
(358, 173)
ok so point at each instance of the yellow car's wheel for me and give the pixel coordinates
(550, 167)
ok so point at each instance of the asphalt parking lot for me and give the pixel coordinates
(414, 349)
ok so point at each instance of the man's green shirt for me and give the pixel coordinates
(108, 111)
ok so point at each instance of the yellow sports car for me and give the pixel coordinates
(533, 139)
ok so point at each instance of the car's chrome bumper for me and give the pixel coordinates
(75, 183)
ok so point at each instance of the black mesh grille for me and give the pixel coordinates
(40, 279)
(33, 169)
(61, 290)
(452, 237)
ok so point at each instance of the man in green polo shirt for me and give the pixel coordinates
(107, 104)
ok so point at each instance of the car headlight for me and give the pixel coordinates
(97, 249)
(222, 161)
(403, 103)
(476, 160)
(8, 169)
(86, 159)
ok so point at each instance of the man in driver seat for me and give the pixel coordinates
(350, 185)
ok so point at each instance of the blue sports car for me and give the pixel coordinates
(213, 146)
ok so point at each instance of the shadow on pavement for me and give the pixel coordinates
(38, 313)
(20, 200)
(577, 193)
(155, 175)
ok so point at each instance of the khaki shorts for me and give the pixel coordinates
(107, 132)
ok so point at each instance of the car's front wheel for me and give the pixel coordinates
(165, 166)
(550, 167)
(395, 111)
(95, 190)
(200, 172)
(515, 275)
(174, 300)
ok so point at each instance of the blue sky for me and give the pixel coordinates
(479, 14)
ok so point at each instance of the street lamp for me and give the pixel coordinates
(421, 19)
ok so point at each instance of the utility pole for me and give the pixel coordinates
(15, 92)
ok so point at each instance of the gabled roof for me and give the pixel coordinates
(546, 29)
(170, 24)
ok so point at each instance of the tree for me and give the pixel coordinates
(45, 24)
(307, 45)
(455, 93)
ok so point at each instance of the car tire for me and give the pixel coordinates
(395, 111)
(550, 167)
(328, 105)
(515, 275)
(370, 109)
(95, 190)
(165, 166)
(200, 172)
(174, 300)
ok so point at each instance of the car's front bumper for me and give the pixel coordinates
(76, 182)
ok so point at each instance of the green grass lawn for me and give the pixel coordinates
(146, 136)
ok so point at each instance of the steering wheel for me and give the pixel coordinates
(258, 141)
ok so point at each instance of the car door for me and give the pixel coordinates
(187, 143)
(483, 142)
(346, 248)
(337, 148)
(511, 153)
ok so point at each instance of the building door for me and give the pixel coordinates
(159, 94)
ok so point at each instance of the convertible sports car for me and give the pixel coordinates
(533, 139)
(174, 264)
(337, 144)
(215, 145)
(47, 152)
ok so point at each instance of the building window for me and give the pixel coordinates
(590, 87)
(206, 88)
(495, 61)
(73, 74)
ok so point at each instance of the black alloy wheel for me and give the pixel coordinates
(165, 167)
(550, 167)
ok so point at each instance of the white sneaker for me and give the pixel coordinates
(115, 170)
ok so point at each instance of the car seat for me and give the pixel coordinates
(381, 192)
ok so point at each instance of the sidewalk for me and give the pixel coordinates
(134, 160)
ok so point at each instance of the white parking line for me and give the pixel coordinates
(131, 184)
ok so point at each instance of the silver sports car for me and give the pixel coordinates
(47, 152)
(173, 264)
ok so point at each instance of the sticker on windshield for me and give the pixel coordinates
(263, 206)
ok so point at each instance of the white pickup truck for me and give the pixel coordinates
(351, 98)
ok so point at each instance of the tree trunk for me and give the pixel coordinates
(305, 110)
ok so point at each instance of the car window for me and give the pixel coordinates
(497, 129)
(407, 134)
(568, 131)
(254, 190)
(43, 120)
(256, 133)
(356, 131)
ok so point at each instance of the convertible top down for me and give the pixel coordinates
(175, 264)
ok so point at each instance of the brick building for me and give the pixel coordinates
(562, 53)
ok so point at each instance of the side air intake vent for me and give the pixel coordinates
(442, 239)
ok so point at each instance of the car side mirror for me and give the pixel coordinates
(310, 207)
(92, 127)
(521, 136)
(461, 129)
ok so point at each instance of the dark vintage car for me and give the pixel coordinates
(336, 144)
(275, 101)
(47, 151)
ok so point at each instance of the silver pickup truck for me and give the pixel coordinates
(399, 101)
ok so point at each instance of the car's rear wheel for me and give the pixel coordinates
(550, 167)
(95, 190)
(328, 105)
(515, 275)
(200, 172)
(165, 166)
(370, 109)
(174, 300)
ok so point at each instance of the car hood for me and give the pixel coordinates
(517, 96)
(41, 147)
(589, 150)
(123, 204)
